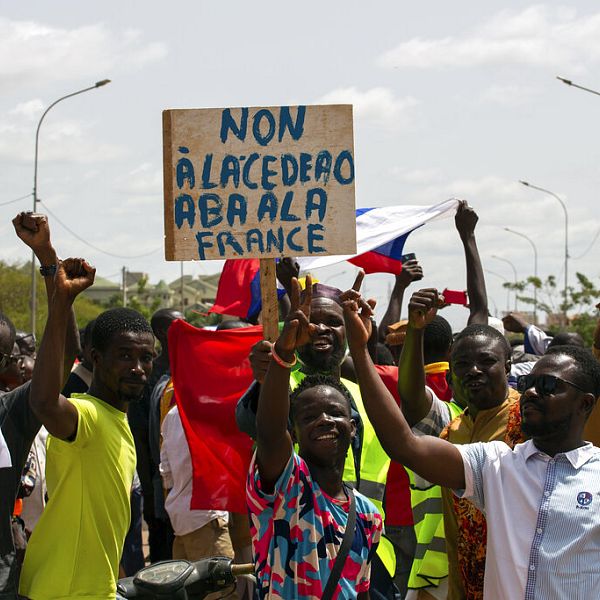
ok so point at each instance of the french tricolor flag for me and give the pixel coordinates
(380, 236)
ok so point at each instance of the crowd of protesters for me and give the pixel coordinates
(392, 460)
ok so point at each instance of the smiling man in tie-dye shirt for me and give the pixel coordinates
(298, 503)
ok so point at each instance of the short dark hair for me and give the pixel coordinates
(161, 319)
(588, 366)
(115, 321)
(316, 380)
(384, 355)
(232, 324)
(437, 339)
(485, 331)
(567, 338)
(4, 320)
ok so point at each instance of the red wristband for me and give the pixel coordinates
(280, 361)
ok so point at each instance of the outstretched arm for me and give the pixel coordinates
(466, 219)
(56, 413)
(273, 441)
(411, 271)
(416, 399)
(34, 231)
(434, 459)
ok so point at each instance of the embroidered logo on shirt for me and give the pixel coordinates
(584, 499)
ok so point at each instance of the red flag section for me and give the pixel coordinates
(210, 371)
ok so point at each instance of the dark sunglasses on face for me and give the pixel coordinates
(544, 385)
(5, 360)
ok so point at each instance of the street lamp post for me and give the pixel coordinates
(540, 189)
(535, 268)
(35, 196)
(514, 273)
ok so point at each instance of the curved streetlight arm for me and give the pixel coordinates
(569, 82)
(535, 268)
(541, 189)
(35, 197)
(37, 131)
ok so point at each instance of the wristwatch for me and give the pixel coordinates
(48, 270)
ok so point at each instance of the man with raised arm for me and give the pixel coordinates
(18, 423)
(299, 506)
(540, 497)
(75, 548)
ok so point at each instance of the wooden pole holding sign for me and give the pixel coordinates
(270, 307)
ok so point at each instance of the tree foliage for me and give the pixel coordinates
(579, 303)
(15, 295)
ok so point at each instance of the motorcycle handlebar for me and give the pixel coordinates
(245, 569)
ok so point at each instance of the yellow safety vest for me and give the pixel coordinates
(374, 465)
(430, 563)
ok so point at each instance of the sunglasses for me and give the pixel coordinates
(545, 385)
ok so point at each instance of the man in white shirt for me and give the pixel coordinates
(198, 533)
(541, 499)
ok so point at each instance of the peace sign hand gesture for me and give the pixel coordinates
(297, 328)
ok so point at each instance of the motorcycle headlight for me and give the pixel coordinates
(164, 577)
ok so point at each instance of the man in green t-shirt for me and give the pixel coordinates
(75, 549)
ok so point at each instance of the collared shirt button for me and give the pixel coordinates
(546, 493)
(552, 461)
(532, 567)
(539, 530)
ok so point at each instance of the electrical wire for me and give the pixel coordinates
(83, 240)
(588, 248)
(16, 200)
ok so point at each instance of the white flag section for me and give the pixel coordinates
(380, 226)
(4, 453)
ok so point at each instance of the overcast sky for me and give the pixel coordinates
(450, 99)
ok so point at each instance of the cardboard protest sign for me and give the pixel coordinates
(259, 182)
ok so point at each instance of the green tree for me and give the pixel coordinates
(15, 294)
(579, 303)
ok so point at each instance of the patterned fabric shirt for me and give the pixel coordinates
(296, 534)
(543, 516)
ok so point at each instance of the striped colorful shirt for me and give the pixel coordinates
(296, 534)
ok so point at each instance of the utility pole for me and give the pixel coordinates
(124, 279)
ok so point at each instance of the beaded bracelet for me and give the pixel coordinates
(280, 361)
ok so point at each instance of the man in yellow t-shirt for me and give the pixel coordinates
(75, 549)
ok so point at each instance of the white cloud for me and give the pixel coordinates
(510, 95)
(416, 176)
(55, 54)
(65, 139)
(537, 36)
(377, 105)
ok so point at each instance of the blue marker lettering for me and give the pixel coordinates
(237, 207)
(285, 122)
(251, 185)
(226, 237)
(323, 166)
(202, 243)
(259, 116)
(289, 169)
(266, 173)
(267, 206)
(275, 239)
(285, 208)
(313, 237)
(184, 210)
(254, 237)
(207, 211)
(230, 168)
(207, 184)
(316, 199)
(290, 240)
(344, 155)
(228, 123)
